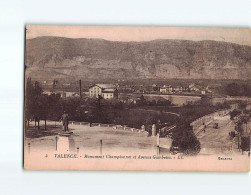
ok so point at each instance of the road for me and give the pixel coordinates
(218, 141)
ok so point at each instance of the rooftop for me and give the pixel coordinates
(104, 86)
(108, 91)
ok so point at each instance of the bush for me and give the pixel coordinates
(234, 113)
(185, 140)
(234, 89)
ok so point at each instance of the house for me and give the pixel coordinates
(155, 88)
(125, 89)
(107, 91)
(63, 94)
(192, 87)
(166, 89)
(163, 90)
(177, 88)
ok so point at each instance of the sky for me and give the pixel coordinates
(142, 33)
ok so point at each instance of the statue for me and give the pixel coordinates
(65, 121)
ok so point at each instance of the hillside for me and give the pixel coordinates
(58, 57)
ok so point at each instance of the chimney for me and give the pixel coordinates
(80, 90)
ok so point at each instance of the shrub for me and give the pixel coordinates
(234, 113)
(185, 140)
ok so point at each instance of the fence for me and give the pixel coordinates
(114, 126)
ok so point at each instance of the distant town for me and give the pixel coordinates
(108, 91)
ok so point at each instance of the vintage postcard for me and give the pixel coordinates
(138, 98)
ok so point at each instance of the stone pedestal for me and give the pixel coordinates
(63, 143)
(154, 130)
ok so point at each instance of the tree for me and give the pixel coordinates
(189, 144)
(234, 113)
(148, 122)
(142, 98)
(233, 89)
(238, 126)
(185, 139)
(141, 101)
(167, 103)
(28, 102)
(55, 107)
(159, 102)
(43, 106)
(206, 100)
(242, 120)
(153, 103)
(49, 107)
(32, 95)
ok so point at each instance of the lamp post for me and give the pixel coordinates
(101, 147)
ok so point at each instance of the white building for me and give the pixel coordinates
(166, 89)
(107, 91)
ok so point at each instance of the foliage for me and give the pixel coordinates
(40, 106)
(242, 105)
(234, 113)
(32, 99)
(185, 139)
(237, 89)
(238, 126)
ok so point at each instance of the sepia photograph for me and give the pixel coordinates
(125, 97)
(142, 98)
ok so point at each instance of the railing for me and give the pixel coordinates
(114, 126)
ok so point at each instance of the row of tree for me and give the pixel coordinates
(237, 89)
(38, 106)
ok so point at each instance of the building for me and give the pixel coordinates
(107, 91)
(192, 87)
(155, 88)
(63, 94)
(166, 89)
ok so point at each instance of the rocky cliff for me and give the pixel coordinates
(59, 57)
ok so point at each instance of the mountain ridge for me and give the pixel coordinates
(162, 58)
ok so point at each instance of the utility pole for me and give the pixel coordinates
(158, 142)
(101, 147)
